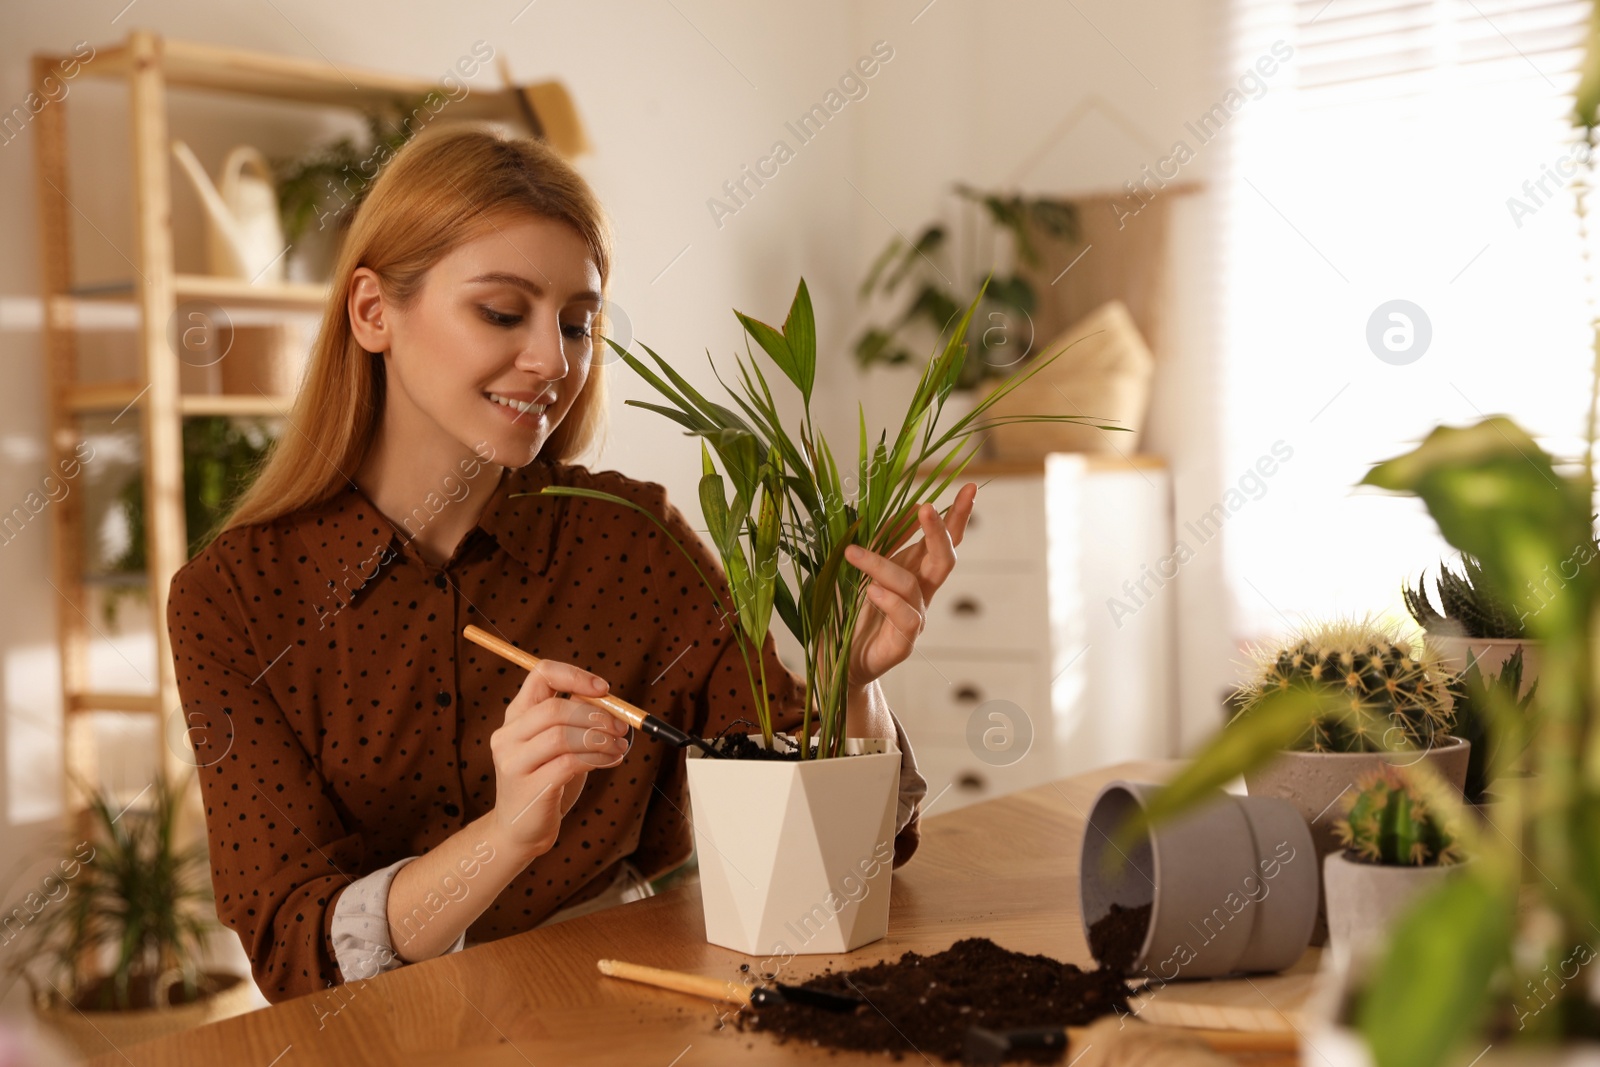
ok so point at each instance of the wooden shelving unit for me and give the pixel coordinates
(150, 66)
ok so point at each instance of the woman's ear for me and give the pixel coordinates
(366, 309)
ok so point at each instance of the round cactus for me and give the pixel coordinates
(1398, 820)
(1390, 691)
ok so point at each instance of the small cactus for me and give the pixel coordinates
(1397, 820)
(1391, 690)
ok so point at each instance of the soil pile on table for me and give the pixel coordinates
(1116, 938)
(925, 1004)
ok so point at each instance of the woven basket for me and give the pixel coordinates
(95, 1032)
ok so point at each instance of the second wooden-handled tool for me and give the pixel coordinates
(656, 727)
(732, 992)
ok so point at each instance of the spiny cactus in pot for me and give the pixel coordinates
(1397, 820)
(1373, 695)
(1390, 690)
(1402, 836)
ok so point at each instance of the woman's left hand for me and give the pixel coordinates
(902, 586)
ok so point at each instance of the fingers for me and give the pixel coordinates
(566, 678)
(939, 557)
(594, 744)
(961, 511)
(886, 572)
(563, 711)
(549, 678)
(903, 617)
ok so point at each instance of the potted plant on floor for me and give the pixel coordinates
(1473, 625)
(789, 835)
(1400, 840)
(112, 954)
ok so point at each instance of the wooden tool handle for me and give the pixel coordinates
(615, 705)
(693, 984)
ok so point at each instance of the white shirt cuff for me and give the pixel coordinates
(360, 926)
(913, 787)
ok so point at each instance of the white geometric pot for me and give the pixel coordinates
(795, 857)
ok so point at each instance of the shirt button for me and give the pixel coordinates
(451, 810)
(439, 580)
(443, 699)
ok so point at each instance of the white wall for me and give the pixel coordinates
(677, 98)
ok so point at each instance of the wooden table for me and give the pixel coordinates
(1005, 869)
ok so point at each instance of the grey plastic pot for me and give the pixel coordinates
(1232, 884)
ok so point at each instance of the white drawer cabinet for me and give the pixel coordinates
(1022, 645)
(980, 609)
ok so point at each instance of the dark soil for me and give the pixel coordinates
(925, 1004)
(745, 746)
(1116, 938)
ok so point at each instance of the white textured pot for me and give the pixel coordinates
(1329, 1038)
(1489, 653)
(1365, 899)
(1314, 781)
(795, 857)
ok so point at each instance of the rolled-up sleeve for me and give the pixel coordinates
(362, 944)
(280, 853)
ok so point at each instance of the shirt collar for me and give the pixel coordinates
(351, 541)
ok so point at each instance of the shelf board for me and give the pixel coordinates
(258, 405)
(214, 68)
(288, 296)
(981, 467)
(225, 292)
(100, 397)
(78, 703)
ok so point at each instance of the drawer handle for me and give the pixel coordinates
(971, 781)
(968, 694)
(965, 606)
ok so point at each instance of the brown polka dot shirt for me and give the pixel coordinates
(342, 722)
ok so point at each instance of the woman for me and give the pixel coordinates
(377, 789)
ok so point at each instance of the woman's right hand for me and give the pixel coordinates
(544, 751)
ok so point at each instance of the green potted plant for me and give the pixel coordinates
(1473, 625)
(1492, 957)
(326, 183)
(789, 827)
(221, 456)
(1400, 839)
(1391, 705)
(1472, 692)
(937, 298)
(112, 953)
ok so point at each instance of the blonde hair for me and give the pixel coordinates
(440, 190)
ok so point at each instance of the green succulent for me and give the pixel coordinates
(1470, 609)
(1398, 820)
(1474, 699)
(1389, 692)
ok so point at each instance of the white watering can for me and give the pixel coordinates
(244, 237)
